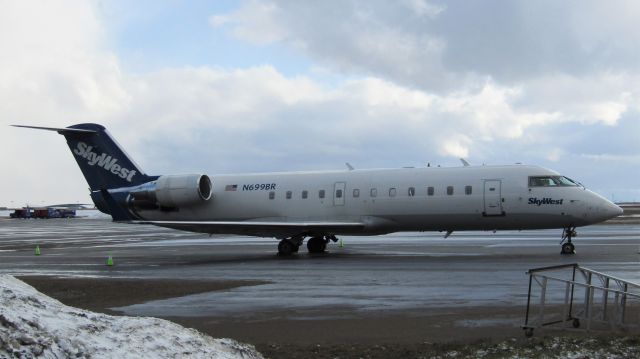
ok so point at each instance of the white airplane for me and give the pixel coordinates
(293, 206)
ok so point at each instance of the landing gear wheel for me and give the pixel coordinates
(576, 323)
(528, 332)
(316, 245)
(568, 248)
(286, 248)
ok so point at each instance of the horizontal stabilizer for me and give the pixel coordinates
(60, 130)
(102, 161)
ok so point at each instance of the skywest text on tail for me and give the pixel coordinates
(105, 161)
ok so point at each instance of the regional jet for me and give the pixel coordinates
(319, 206)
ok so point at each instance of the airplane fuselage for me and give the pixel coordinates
(406, 199)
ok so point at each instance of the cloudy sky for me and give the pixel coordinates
(249, 86)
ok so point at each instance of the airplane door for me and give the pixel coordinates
(338, 193)
(492, 198)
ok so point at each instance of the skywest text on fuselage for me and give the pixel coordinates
(541, 201)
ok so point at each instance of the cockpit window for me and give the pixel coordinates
(566, 181)
(551, 181)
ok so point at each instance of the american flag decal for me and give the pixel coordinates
(231, 187)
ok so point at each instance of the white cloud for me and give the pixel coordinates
(519, 80)
(259, 119)
(588, 99)
(554, 154)
(632, 159)
(405, 105)
(53, 72)
(576, 60)
(260, 16)
(50, 56)
(457, 146)
(424, 8)
(350, 36)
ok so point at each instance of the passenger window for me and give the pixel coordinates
(305, 194)
(374, 192)
(392, 192)
(339, 193)
(272, 195)
(411, 192)
(321, 193)
(430, 191)
(468, 190)
(356, 193)
(450, 190)
(288, 194)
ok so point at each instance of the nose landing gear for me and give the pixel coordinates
(567, 246)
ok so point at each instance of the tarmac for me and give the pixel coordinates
(402, 289)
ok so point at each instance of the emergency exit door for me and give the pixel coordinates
(493, 198)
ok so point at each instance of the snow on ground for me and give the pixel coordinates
(32, 324)
(92, 214)
(552, 348)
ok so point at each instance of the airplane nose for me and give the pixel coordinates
(613, 210)
(599, 209)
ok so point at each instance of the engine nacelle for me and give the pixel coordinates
(174, 191)
(182, 190)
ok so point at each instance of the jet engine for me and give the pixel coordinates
(172, 191)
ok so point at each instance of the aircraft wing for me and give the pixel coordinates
(262, 228)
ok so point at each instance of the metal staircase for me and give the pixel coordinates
(592, 300)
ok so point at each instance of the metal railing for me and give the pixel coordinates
(606, 300)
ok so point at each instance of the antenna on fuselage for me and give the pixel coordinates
(349, 166)
(464, 162)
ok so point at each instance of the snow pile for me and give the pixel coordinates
(32, 324)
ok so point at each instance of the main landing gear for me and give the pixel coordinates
(288, 246)
(315, 245)
(567, 246)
